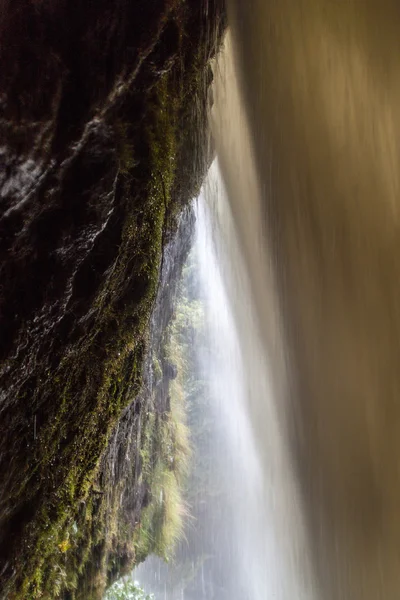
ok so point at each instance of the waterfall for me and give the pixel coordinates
(309, 149)
(268, 539)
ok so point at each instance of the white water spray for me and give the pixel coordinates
(268, 536)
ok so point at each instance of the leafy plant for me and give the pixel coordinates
(126, 589)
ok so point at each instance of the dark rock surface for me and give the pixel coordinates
(103, 143)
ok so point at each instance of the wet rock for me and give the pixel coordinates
(102, 114)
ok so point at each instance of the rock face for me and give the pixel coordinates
(103, 143)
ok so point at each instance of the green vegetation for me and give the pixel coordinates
(126, 589)
(166, 454)
(194, 557)
(165, 442)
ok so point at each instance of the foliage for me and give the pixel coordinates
(126, 589)
(165, 441)
(166, 454)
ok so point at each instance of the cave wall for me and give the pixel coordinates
(103, 143)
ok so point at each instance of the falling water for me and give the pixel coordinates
(314, 187)
(270, 548)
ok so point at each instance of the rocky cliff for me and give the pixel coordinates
(103, 143)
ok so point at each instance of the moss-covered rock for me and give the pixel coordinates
(102, 121)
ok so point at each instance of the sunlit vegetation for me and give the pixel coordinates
(166, 455)
(126, 589)
(194, 558)
(166, 447)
